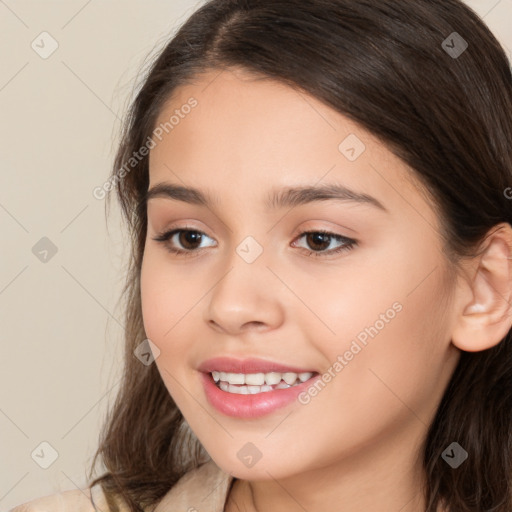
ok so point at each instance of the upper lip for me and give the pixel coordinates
(252, 365)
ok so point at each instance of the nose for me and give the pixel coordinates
(246, 298)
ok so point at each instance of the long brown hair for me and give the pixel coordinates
(385, 65)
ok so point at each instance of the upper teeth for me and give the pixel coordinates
(259, 379)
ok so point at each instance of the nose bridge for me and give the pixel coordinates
(250, 250)
(249, 233)
(245, 268)
(245, 292)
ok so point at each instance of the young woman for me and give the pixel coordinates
(318, 307)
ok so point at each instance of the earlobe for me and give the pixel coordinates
(487, 318)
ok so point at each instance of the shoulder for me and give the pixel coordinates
(76, 500)
(203, 489)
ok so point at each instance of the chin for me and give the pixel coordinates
(261, 470)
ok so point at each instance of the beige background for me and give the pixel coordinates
(61, 326)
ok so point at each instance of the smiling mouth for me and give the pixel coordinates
(253, 383)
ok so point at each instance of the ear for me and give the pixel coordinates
(485, 319)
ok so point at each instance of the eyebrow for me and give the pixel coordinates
(287, 197)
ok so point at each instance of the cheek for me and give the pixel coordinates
(391, 330)
(353, 295)
(172, 316)
(163, 305)
(166, 295)
(399, 369)
(390, 381)
(155, 298)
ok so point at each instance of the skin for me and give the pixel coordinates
(356, 445)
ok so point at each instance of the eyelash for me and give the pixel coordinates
(349, 243)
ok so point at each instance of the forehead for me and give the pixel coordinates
(251, 132)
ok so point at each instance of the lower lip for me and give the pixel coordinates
(251, 406)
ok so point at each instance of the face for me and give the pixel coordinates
(349, 294)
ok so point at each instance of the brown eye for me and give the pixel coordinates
(319, 241)
(187, 240)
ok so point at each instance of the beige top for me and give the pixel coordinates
(204, 489)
